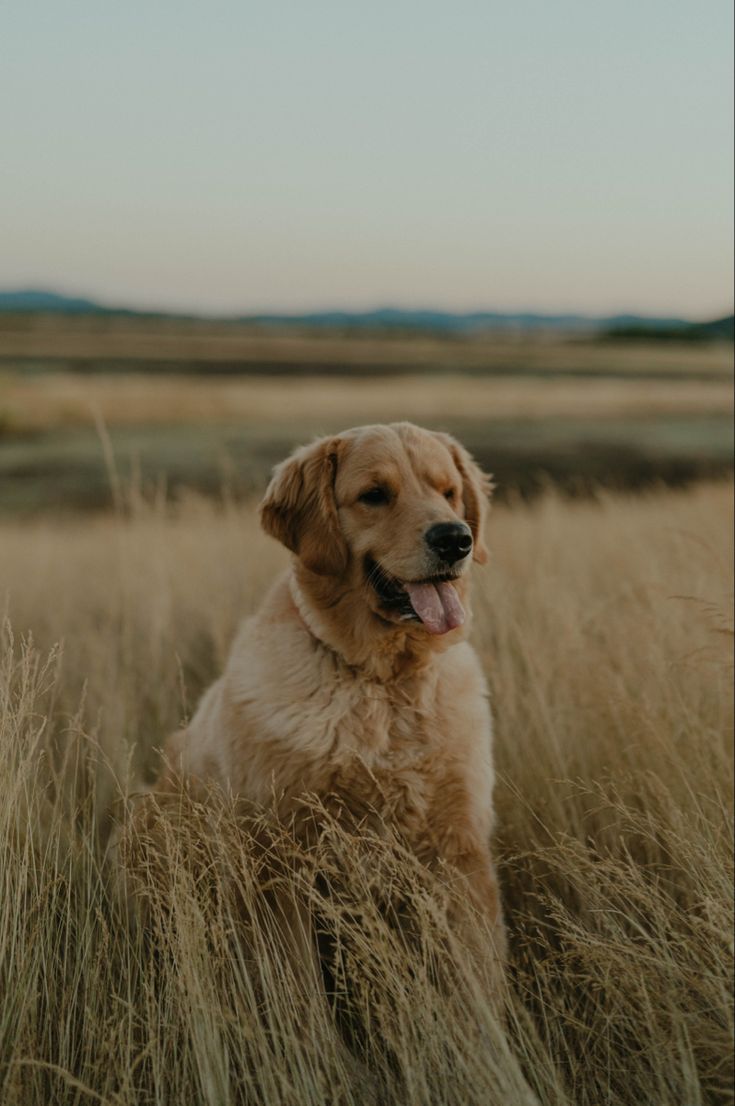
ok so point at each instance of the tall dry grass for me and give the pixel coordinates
(605, 631)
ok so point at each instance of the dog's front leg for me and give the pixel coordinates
(476, 912)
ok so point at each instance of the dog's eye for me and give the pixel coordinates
(449, 494)
(374, 496)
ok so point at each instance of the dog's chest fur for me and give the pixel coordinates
(300, 721)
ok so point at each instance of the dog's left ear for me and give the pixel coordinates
(477, 489)
(299, 508)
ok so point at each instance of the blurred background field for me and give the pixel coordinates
(206, 404)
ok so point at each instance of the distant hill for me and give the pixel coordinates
(397, 319)
(31, 300)
(718, 328)
(642, 330)
(387, 318)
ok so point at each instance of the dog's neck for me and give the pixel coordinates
(337, 615)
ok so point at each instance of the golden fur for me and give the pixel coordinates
(328, 692)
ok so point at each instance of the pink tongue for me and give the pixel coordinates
(437, 605)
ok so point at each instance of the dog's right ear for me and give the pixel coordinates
(299, 508)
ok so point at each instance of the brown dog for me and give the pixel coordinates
(354, 679)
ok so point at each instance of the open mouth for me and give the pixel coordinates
(432, 601)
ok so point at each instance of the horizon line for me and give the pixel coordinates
(363, 309)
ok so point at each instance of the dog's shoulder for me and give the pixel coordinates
(273, 642)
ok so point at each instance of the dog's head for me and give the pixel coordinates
(395, 512)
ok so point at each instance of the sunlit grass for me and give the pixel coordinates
(605, 629)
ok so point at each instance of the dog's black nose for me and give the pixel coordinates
(450, 540)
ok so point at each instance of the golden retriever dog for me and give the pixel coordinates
(355, 680)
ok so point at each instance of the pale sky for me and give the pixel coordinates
(232, 156)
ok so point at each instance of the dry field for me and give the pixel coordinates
(56, 400)
(605, 629)
(183, 430)
(190, 403)
(100, 343)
